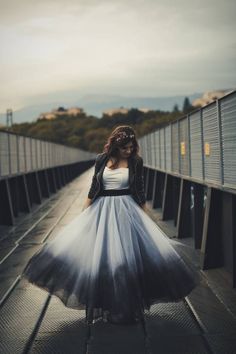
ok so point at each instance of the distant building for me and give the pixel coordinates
(74, 111)
(144, 110)
(122, 110)
(111, 112)
(209, 97)
(61, 111)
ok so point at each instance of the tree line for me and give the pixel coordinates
(90, 133)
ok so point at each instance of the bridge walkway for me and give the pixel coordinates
(32, 321)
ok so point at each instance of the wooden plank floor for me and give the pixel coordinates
(32, 321)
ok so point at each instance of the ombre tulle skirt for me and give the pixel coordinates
(113, 261)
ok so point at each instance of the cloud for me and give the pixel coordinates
(136, 46)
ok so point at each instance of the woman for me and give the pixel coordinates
(121, 150)
(112, 259)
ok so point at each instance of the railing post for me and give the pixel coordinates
(220, 141)
(18, 154)
(164, 148)
(184, 212)
(0, 159)
(25, 154)
(179, 156)
(167, 202)
(9, 153)
(202, 145)
(189, 147)
(211, 248)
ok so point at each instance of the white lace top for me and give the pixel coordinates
(116, 179)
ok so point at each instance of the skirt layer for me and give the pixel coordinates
(112, 260)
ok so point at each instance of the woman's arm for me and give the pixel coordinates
(92, 188)
(140, 183)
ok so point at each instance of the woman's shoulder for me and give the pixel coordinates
(138, 158)
(101, 156)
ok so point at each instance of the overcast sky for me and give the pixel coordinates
(132, 48)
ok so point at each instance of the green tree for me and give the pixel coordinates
(187, 107)
(175, 108)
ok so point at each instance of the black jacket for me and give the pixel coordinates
(136, 180)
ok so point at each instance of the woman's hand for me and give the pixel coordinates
(87, 204)
(144, 207)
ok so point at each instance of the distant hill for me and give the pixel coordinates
(96, 104)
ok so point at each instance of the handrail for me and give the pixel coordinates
(200, 145)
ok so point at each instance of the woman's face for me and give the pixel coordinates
(126, 150)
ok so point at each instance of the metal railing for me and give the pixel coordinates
(21, 154)
(200, 146)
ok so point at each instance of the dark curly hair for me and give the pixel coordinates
(119, 137)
